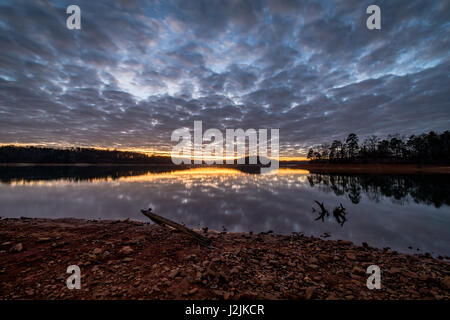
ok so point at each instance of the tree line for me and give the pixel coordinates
(428, 147)
(32, 154)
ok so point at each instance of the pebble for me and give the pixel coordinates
(273, 267)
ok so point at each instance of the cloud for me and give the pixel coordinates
(138, 70)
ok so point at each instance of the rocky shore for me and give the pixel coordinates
(135, 260)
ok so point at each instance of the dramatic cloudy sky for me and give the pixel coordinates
(138, 70)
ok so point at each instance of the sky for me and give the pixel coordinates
(137, 70)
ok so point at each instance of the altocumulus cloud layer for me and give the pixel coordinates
(138, 70)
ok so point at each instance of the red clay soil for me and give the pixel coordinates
(133, 260)
(373, 168)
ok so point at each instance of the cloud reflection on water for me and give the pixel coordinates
(217, 197)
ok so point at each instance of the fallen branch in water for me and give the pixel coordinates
(166, 222)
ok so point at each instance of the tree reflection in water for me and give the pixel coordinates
(427, 189)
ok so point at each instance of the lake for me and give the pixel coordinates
(408, 213)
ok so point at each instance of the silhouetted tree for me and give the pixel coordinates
(310, 154)
(429, 147)
(335, 150)
(352, 145)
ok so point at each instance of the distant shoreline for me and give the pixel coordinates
(82, 164)
(107, 164)
(373, 168)
(380, 168)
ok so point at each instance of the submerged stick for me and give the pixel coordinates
(323, 212)
(163, 221)
(322, 207)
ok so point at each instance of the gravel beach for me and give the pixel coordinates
(135, 260)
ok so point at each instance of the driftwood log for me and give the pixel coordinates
(166, 222)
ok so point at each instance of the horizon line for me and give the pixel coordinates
(147, 152)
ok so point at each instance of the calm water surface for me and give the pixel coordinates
(396, 211)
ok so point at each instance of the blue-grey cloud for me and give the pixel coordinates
(139, 69)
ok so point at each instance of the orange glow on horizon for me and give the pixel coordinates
(204, 171)
(196, 173)
(149, 152)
